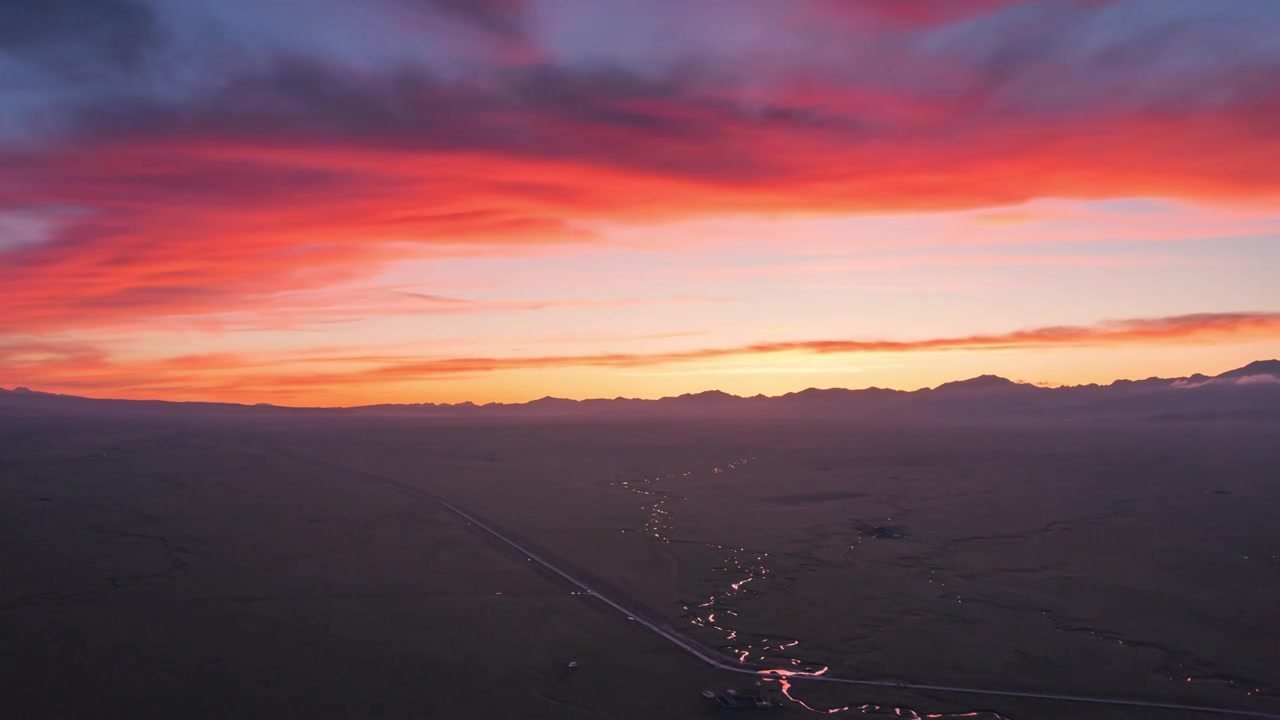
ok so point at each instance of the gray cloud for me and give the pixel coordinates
(80, 39)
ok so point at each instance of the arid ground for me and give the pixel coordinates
(215, 568)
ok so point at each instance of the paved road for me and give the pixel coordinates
(721, 662)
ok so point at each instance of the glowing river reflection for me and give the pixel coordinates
(745, 572)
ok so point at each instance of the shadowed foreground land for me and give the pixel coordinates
(236, 569)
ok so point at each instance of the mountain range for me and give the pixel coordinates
(1249, 392)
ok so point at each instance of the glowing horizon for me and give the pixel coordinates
(355, 203)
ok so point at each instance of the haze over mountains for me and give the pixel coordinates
(1249, 392)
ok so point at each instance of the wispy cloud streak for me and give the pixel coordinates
(83, 368)
(1178, 329)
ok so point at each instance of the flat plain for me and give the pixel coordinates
(267, 567)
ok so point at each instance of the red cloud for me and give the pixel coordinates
(188, 227)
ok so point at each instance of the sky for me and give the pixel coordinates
(343, 202)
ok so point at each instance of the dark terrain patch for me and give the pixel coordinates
(884, 532)
(802, 498)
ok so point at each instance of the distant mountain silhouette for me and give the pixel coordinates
(1251, 393)
(982, 383)
(1253, 369)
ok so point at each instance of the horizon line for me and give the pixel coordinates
(23, 390)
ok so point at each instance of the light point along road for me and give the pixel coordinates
(720, 662)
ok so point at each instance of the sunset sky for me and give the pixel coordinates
(337, 202)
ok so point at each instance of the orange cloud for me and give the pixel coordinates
(1177, 329)
(76, 368)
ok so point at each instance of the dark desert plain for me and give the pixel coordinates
(163, 560)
